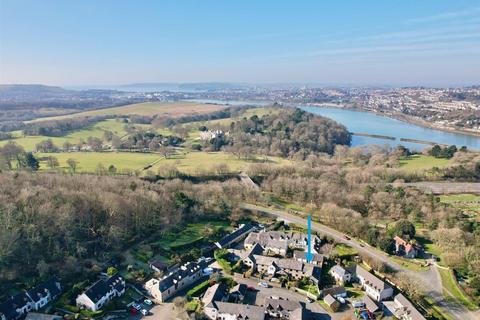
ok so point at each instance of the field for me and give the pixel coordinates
(97, 130)
(88, 161)
(450, 284)
(171, 109)
(469, 203)
(420, 162)
(195, 162)
(189, 162)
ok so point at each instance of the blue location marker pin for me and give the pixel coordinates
(309, 240)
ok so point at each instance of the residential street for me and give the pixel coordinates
(429, 280)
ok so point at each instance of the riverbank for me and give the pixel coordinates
(400, 117)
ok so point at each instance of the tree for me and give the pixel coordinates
(52, 162)
(112, 169)
(11, 152)
(72, 163)
(111, 271)
(31, 162)
(404, 228)
(166, 151)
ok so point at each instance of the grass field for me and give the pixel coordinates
(97, 130)
(88, 161)
(466, 202)
(411, 264)
(172, 109)
(421, 162)
(194, 162)
(343, 250)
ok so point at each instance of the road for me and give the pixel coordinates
(430, 280)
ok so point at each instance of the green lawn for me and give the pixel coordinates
(343, 250)
(191, 233)
(88, 161)
(421, 162)
(450, 284)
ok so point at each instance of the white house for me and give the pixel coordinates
(340, 274)
(101, 292)
(42, 294)
(170, 284)
(373, 286)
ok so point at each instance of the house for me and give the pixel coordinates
(233, 311)
(335, 292)
(235, 236)
(403, 309)
(44, 293)
(331, 302)
(15, 307)
(317, 259)
(101, 293)
(170, 284)
(340, 274)
(373, 286)
(371, 305)
(290, 267)
(404, 248)
(277, 242)
(280, 308)
(238, 292)
(158, 266)
(214, 294)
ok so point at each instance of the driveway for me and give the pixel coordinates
(430, 280)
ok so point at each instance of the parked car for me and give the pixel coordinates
(263, 284)
(136, 306)
(148, 302)
(341, 300)
(144, 312)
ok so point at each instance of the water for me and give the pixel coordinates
(366, 122)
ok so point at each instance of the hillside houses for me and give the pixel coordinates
(101, 293)
(237, 235)
(277, 242)
(34, 299)
(164, 288)
(340, 274)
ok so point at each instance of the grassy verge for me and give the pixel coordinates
(451, 285)
(410, 264)
(435, 310)
(198, 289)
(343, 250)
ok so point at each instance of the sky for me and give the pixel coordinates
(94, 43)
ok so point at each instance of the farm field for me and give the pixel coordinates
(88, 161)
(422, 162)
(172, 109)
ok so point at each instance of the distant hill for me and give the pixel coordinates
(15, 91)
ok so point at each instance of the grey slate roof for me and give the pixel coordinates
(100, 288)
(408, 307)
(9, 307)
(334, 291)
(297, 254)
(371, 279)
(184, 271)
(246, 228)
(243, 311)
(370, 304)
(339, 270)
(50, 286)
(215, 293)
(281, 306)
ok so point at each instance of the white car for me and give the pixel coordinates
(263, 284)
(144, 312)
(148, 302)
